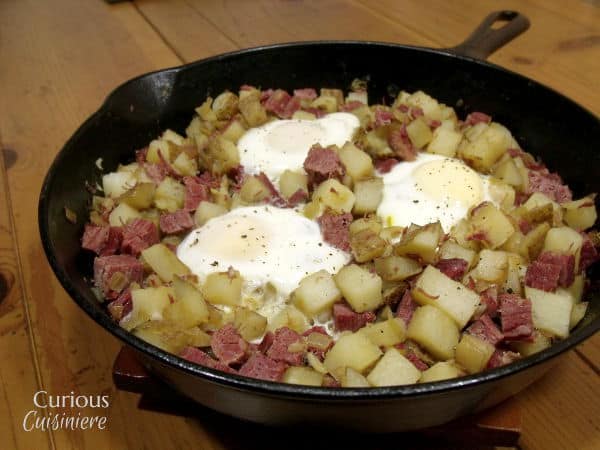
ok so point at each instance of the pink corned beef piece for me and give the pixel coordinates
(229, 346)
(323, 163)
(515, 315)
(262, 367)
(485, 329)
(280, 348)
(335, 229)
(176, 222)
(138, 235)
(199, 357)
(105, 267)
(344, 318)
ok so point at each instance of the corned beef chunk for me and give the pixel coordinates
(196, 191)
(138, 235)
(549, 184)
(477, 117)
(383, 117)
(266, 342)
(589, 254)
(486, 330)
(454, 268)
(114, 273)
(275, 199)
(156, 172)
(305, 94)
(262, 367)
(489, 298)
(406, 307)
(385, 165)
(122, 306)
(515, 314)
(228, 345)
(344, 318)
(277, 102)
(502, 358)
(297, 197)
(417, 362)
(401, 144)
(103, 241)
(282, 349)
(542, 276)
(176, 222)
(199, 357)
(323, 163)
(335, 229)
(566, 264)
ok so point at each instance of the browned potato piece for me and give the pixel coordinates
(492, 266)
(580, 214)
(489, 225)
(147, 304)
(435, 331)
(368, 195)
(334, 195)
(169, 195)
(164, 262)
(436, 289)
(221, 156)
(225, 105)
(291, 182)
(351, 350)
(419, 133)
(483, 148)
(253, 190)
(360, 288)
(335, 93)
(234, 131)
(397, 268)
(189, 308)
(122, 214)
(473, 353)
(367, 245)
(444, 142)
(224, 288)
(534, 240)
(249, 324)
(357, 163)
(365, 223)
(316, 293)
(140, 196)
(206, 211)
(253, 112)
(421, 241)
(450, 249)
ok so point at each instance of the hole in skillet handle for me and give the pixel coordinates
(496, 30)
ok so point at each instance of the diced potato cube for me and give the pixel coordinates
(315, 363)
(225, 105)
(580, 214)
(189, 308)
(303, 115)
(537, 206)
(564, 240)
(376, 144)
(533, 241)
(358, 164)
(206, 211)
(316, 293)
(352, 378)
(492, 266)
(429, 105)
(291, 182)
(222, 155)
(436, 289)
(115, 184)
(169, 195)
(451, 249)
(513, 274)
(358, 96)
(234, 131)
(551, 312)
(338, 94)
(507, 171)
(252, 110)
(164, 262)
(577, 287)
(421, 241)
(577, 314)
(461, 233)
(473, 353)
(393, 369)
(435, 331)
(170, 337)
(387, 333)
(360, 288)
(442, 370)
(253, 190)
(223, 288)
(419, 133)
(365, 223)
(484, 149)
(351, 350)
(147, 304)
(185, 164)
(367, 245)
(368, 195)
(141, 196)
(302, 375)
(249, 324)
(490, 223)
(334, 195)
(444, 142)
(502, 193)
(158, 150)
(122, 214)
(325, 103)
(526, 348)
(397, 268)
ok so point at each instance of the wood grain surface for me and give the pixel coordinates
(60, 60)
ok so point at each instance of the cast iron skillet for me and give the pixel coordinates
(544, 122)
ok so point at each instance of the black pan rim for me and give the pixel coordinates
(298, 392)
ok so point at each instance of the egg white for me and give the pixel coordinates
(272, 248)
(429, 189)
(283, 144)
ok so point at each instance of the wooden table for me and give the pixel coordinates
(58, 62)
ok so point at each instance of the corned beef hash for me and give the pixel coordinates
(316, 239)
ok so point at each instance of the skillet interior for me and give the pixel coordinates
(545, 123)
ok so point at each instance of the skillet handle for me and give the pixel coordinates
(485, 40)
